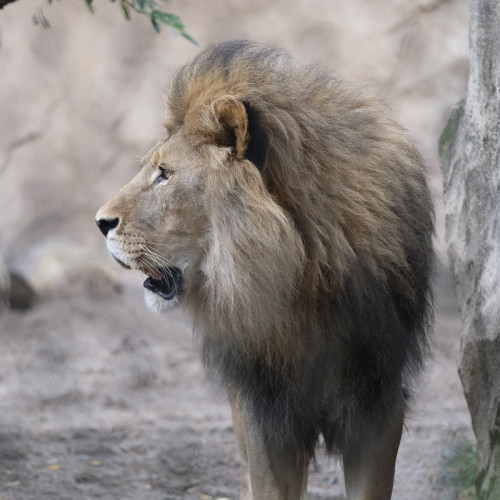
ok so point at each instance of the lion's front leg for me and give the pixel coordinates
(370, 462)
(239, 431)
(266, 474)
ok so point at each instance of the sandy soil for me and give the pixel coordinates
(99, 399)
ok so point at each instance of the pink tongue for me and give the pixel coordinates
(156, 277)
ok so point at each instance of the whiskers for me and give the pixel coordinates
(152, 260)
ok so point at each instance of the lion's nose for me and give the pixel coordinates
(105, 225)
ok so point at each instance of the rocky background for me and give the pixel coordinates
(470, 154)
(98, 398)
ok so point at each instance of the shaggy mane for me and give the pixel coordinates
(315, 296)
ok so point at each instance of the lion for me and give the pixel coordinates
(289, 215)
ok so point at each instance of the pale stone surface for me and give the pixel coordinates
(4, 285)
(470, 148)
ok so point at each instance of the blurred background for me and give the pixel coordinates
(98, 398)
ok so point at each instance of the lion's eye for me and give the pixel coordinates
(163, 176)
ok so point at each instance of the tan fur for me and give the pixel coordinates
(264, 254)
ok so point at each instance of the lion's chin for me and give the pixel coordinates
(158, 305)
(163, 288)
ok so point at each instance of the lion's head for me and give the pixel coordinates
(199, 221)
(157, 222)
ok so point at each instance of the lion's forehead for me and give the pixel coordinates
(176, 148)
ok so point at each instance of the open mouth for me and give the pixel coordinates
(166, 282)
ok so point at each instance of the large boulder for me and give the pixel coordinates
(470, 152)
(60, 267)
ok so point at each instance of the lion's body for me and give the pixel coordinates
(301, 223)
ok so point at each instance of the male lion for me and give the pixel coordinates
(290, 216)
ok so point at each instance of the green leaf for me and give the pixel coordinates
(126, 11)
(155, 24)
(89, 5)
(172, 20)
(187, 36)
(155, 14)
(140, 3)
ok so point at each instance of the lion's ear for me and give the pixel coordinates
(242, 130)
(233, 130)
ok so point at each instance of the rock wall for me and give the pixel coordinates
(470, 152)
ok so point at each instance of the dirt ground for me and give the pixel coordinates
(100, 399)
